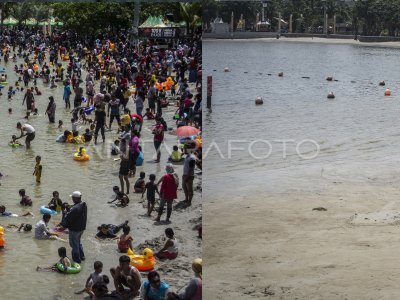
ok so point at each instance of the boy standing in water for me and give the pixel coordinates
(38, 169)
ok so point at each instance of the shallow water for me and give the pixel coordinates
(355, 137)
(94, 179)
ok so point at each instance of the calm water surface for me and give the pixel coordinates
(357, 133)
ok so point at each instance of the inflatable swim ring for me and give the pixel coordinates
(89, 109)
(84, 157)
(35, 67)
(83, 99)
(145, 262)
(139, 160)
(45, 210)
(14, 145)
(75, 268)
(4, 82)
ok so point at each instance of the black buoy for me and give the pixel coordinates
(331, 96)
(259, 101)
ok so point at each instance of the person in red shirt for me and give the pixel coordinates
(139, 81)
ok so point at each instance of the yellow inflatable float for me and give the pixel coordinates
(145, 262)
(2, 241)
(81, 155)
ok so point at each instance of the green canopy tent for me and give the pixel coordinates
(31, 22)
(153, 22)
(53, 22)
(10, 21)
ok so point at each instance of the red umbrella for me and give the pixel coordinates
(137, 117)
(185, 131)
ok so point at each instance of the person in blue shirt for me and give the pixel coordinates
(154, 289)
(67, 94)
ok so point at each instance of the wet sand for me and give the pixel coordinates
(277, 246)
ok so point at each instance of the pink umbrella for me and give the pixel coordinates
(186, 131)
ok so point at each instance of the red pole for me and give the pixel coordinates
(209, 91)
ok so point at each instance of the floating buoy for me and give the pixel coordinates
(388, 92)
(382, 83)
(259, 101)
(331, 96)
(226, 69)
(329, 78)
(280, 74)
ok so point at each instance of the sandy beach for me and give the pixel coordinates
(277, 246)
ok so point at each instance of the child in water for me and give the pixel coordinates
(38, 169)
(80, 153)
(64, 260)
(140, 183)
(151, 188)
(15, 141)
(55, 202)
(25, 199)
(125, 240)
(94, 277)
(121, 197)
(23, 226)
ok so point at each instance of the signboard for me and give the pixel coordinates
(159, 33)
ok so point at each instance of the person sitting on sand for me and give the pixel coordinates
(14, 140)
(109, 231)
(121, 197)
(125, 275)
(140, 183)
(170, 249)
(149, 114)
(125, 240)
(115, 148)
(176, 155)
(193, 290)
(154, 288)
(64, 260)
(94, 277)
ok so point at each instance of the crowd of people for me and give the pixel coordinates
(105, 78)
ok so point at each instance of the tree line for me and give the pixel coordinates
(366, 17)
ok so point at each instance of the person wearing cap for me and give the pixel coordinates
(168, 191)
(75, 222)
(51, 110)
